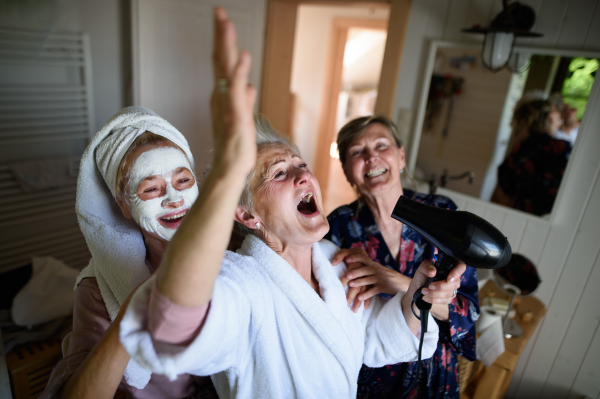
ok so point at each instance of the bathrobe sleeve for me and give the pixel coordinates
(222, 342)
(388, 340)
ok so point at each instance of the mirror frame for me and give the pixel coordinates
(420, 115)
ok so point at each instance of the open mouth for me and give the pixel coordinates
(376, 172)
(307, 204)
(172, 220)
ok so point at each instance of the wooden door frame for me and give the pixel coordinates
(331, 90)
(275, 98)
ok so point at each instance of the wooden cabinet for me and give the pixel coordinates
(492, 382)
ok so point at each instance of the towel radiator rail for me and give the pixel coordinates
(46, 97)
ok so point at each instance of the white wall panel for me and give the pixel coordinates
(549, 22)
(576, 23)
(592, 39)
(588, 376)
(495, 217)
(565, 246)
(580, 333)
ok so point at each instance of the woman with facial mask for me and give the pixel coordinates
(136, 184)
(275, 322)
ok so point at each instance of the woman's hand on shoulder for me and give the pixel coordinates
(367, 278)
(232, 100)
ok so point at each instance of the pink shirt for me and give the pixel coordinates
(90, 321)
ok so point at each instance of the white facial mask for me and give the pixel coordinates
(162, 161)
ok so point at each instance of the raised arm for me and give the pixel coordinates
(192, 262)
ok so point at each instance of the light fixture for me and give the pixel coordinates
(519, 62)
(514, 21)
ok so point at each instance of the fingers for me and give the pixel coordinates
(360, 271)
(238, 83)
(369, 293)
(352, 293)
(225, 55)
(359, 257)
(456, 273)
(337, 258)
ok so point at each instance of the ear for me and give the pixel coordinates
(124, 208)
(401, 158)
(246, 218)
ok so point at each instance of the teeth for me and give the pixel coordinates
(376, 172)
(175, 217)
(306, 198)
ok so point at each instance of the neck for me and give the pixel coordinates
(299, 256)
(382, 204)
(155, 249)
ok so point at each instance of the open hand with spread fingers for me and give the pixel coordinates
(232, 100)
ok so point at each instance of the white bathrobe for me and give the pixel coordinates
(268, 334)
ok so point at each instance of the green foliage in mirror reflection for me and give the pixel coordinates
(578, 84)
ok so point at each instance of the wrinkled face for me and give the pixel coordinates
(553, 121)
(373, 161)
(287, 197)
(162, 188)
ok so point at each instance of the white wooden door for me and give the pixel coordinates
(172, 42)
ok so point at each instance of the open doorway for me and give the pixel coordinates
(297, 91)
(337, 61)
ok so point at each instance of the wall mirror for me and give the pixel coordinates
(463, 123)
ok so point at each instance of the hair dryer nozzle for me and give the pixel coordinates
(461, 235)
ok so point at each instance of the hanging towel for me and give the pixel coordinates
(116, 243)
(44, 174)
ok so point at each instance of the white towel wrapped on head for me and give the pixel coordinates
(116, 243)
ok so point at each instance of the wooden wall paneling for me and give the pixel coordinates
(549, 22)
(392, 57)
(592, 39)
(475, 206)
(588, 376)
(277, 64)
(513, 229)
(576, 23)
(479, 12)
(457, 20)
(522, 363)
(534, 240)
(438, 18)
(580, 334)
(567, 295)
(495, 216)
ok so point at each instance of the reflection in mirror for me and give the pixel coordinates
(466, 129)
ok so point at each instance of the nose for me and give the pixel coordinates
(371, 154)
(173, 198)
(301, 177)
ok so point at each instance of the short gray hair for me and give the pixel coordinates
(266, 136)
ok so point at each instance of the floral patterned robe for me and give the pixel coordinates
(349, 228)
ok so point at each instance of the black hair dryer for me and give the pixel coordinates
(458, 235)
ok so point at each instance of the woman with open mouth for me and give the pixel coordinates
(136, 185)
(270, 321)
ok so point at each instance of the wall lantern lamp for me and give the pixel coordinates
(514, 21)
